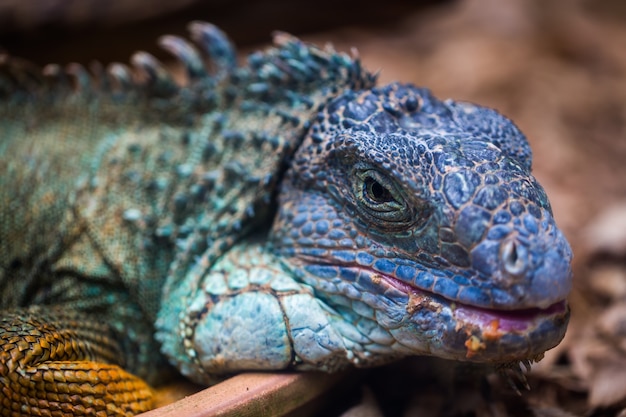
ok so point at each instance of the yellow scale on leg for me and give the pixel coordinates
(53, 365)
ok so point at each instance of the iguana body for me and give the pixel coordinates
(286, 214)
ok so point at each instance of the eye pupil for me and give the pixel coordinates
(377, 192)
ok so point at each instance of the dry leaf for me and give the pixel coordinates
(607, 386)
(607, 232)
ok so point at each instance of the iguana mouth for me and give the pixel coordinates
(489, 335)
(507, 320)
(519, 320)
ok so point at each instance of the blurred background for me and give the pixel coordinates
(557, 68)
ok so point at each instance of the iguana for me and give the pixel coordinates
(285, 214)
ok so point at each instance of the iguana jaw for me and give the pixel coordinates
(430, 324)
(489, 334)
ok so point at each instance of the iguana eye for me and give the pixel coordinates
(376, 192)
(379, 198)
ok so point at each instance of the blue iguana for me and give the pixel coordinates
(283, 214)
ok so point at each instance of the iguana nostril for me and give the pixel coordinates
(514, 257)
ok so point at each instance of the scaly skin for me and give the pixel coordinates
(285, 214)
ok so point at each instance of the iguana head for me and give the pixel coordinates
(422, 216)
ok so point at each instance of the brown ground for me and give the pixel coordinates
(558, 68)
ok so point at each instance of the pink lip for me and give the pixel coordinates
(506, 320)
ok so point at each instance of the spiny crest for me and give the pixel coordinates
(286, 72)
(18, 75)
(146, 75)
(294, 67)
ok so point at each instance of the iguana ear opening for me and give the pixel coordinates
(490, 126)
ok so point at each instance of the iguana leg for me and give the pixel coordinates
(55, 363)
